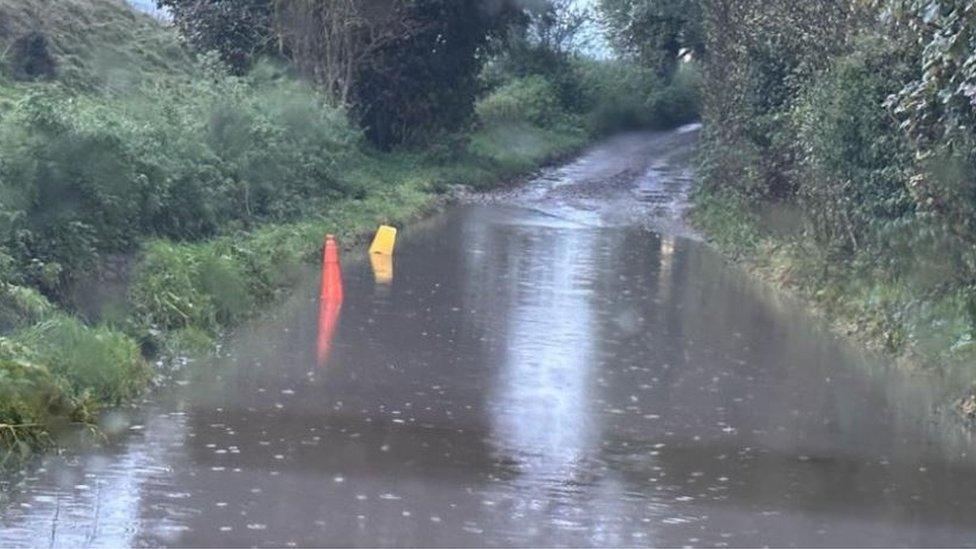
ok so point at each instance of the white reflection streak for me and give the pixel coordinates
(542, 405)
(667, 262)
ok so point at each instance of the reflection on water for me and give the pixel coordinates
(330, 300)
(538, 406)
(523, 380)
(540, 416)
(328, 318)
(382, 265)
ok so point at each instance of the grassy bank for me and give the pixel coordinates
(902, 314)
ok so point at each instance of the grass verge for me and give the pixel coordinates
(861, 300)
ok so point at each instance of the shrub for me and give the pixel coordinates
(20, 307)
(85, 177)
(60, 371)
(624, 96)
(30, 397)
(680, 101)
(98, 362)
(61, 368)
(530, 99)
(177, 286)
(856, 162)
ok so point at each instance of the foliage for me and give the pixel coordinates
(620, 95)
(938, 112)
(537, 64)
(939, 100)
(179, 286)
(758, 58)
(679, 102)
(90, 45)
(99, 363)
(85, 177)
(31, 399)
(239, 30)
(655, 32)
(407, 67)
(519, 147)
(556, 26)
(856, 163)
(531, 99)
(856, 118)
(21, 306)
(428, 80)
(328, 41)
(58, 371)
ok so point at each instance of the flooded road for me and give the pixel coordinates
(553, 365)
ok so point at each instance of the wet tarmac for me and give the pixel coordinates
(546, 366)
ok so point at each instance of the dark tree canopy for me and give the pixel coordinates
(655, 31)
(238, 30)
(406, 67)
(428, 79)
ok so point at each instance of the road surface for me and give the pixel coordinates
(558, 364)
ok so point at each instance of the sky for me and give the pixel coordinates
(148, 6)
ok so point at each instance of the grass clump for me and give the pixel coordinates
(188, 285)
(99, 363)
(514, 148)
(59, 372)
(183, 294)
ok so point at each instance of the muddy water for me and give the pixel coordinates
(544, 369)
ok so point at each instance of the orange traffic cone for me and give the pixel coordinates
(330, 298)
(331, 287)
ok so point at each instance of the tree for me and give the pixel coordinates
(330, 40)
(238, 30)
(656, 32)
(426, 80)
(406, 67)
(556, 25)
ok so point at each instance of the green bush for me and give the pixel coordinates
(21, 307)
(98, 362)
(624, 96)
(679, 102)
(85, 177)
(31, 400)
(61, 371)
(857, 164)
(529, 99)
(177, 286)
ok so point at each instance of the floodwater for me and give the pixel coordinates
(559, 364)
